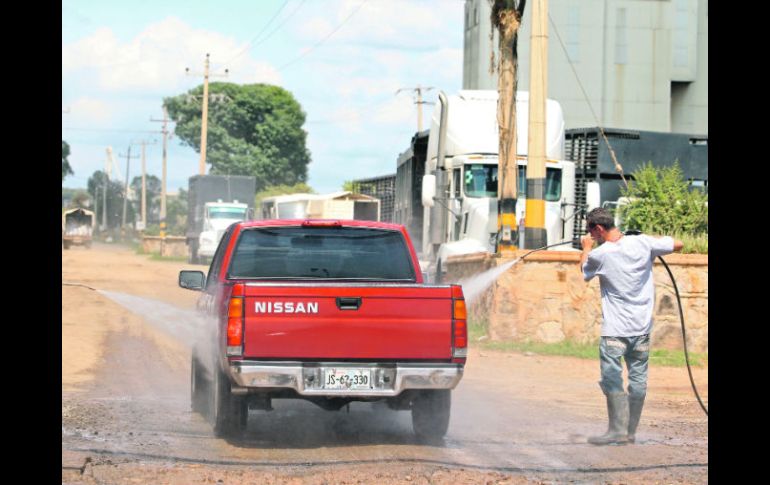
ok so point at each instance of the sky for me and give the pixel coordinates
(343, 60)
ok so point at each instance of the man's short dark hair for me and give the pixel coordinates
(600, 217)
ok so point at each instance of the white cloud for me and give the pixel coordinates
(156, 58)
(400, 111)
(396, 22)
(89, 111)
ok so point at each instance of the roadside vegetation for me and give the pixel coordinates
(662, 202)
(478, 338)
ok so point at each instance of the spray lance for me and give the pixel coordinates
(633, 232)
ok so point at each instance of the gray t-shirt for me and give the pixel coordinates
(624, 268)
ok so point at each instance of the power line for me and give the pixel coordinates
(116, 130)
(618, 167)
(324, 39)
(260, 32)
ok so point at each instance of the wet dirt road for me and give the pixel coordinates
(515, 418)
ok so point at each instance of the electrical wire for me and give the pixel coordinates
(249, 45)
(323, 39)
(618, 167)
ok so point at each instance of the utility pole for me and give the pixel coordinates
(96, 206)
(205, 112)
(535, 234)
(164, 131)
(419, 102)
(125, 191)
(144, 144)
(107, 168)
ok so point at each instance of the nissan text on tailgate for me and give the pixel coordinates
(330, 311)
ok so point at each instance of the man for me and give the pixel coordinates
(624, 266)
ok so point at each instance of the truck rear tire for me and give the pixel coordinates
(229, 412)
(430, 413)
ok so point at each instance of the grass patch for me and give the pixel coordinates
(658, 357)
(694, 244)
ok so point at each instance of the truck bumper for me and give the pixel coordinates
(308, 378)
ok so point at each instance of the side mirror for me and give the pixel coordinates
(428, 190)
(593, 196)
(192, 280)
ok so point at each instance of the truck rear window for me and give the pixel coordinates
(348, 253)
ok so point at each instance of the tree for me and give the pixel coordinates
(65, 165)
(506, 18)
(662, 202)
(176, 214)
(253, 129)
(299, 188)
(152, 194)
(114, 199)
(82, 200)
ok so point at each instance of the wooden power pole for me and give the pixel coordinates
(535, 234)
(205, 113)
(164, 132)
(125, 191)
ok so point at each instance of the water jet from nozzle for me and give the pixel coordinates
(475, 285)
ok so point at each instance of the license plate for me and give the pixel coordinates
(346, 378)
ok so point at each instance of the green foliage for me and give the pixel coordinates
(298, 188)
(65, 165)
(662, 203)
(114, 199)
(82, 200)
(253, 129)
(358, 187)
(152, 186)
(176, 214)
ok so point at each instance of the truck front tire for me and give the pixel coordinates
(229, 412)
(197, 387)
(430, 413)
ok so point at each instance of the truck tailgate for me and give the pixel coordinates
(323, 322)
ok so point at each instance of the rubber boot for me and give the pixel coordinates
(617, 432)
(635, 405)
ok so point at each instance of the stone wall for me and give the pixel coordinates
(168, 246)
(543, 298)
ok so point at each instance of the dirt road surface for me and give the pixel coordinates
(516, 418)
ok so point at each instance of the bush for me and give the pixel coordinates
(661, 202)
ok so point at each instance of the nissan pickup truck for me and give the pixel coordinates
(329, 311)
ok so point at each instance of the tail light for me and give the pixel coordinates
(459, 326)
(235, 316)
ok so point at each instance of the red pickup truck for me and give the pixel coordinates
(330, 311)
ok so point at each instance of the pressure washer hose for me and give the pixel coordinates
(679, 303)
(684, 336)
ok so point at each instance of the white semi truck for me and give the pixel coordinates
(458, 165)
(213, 203)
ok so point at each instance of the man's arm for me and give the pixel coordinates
(588, 244)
